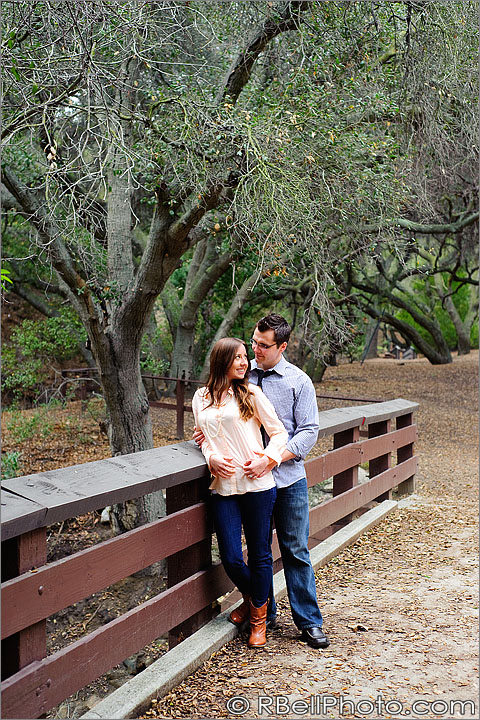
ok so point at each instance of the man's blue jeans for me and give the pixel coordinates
(253, 510)
(292, 525)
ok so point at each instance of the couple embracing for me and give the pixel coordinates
(255, 423)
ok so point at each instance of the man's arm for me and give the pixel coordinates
(306, 420)
(286, 455)
(305, 412)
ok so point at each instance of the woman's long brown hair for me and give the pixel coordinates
(222, 356)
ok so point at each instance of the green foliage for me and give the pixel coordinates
(461, 293)
(24, 425)
(33, 345)
(324, 139)
(11, 464)
(155, 351)
(5, 278)
(446, 325)
(421, 291)
(150, 364)
(20, 374)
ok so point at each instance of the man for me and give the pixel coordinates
(293, 396)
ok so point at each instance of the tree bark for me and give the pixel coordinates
(437, 356)
(424, 228)
(286, 18)
(463, 328)
(129, 422)
(371, 336)
(315, 369)
(206, 268)
(229, 320)
(439, 352)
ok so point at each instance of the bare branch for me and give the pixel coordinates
(421, 228)
(283, 19)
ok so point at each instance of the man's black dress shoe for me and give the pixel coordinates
(315, 637)
(273, 624)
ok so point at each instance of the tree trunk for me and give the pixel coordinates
(462, 327)
(437, 351)
(371, 340)
(315, 368)
(129, 423)
(128, 417)
(182, 360)
(439, 355)
(471, 316)
(118, 349)
(229, 319)
(171, 307)
(206, 268)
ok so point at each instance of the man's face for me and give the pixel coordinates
(267, 352)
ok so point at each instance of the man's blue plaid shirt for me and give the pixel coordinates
(293, 396)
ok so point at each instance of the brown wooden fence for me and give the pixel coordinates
(34, 589)
(86, 376)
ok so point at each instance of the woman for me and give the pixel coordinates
(230, 411)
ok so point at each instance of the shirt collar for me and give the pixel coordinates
(279, 368)
(229, 392)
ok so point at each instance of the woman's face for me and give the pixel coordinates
(239, 366)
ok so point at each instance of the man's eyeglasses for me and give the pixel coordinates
(262, 346)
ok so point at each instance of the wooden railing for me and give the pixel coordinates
(33, 589)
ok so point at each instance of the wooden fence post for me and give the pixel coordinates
(348, 478)
(23, 554)
(189, 561)
(383, 462)
(63, 385)
(180, 393)
(404, 453)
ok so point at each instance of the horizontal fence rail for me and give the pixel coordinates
(85, 375)
(33, 589)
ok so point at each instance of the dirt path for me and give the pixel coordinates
(400, 605)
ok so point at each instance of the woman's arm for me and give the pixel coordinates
(273, 454)
(218, 465)
(267, 416)
(197, 405)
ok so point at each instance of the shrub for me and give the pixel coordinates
(24, 426)
(33, 345)
(11, 464)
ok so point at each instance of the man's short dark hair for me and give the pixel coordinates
(277, 323)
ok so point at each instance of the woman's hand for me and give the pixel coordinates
(258, 466)
(198, 436)
(221, 466)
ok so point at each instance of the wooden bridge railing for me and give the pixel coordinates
(33, 589)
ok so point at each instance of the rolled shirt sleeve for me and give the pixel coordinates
(293, 396)
(305, 411)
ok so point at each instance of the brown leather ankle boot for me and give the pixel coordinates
(242, 613)
(258, 626)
